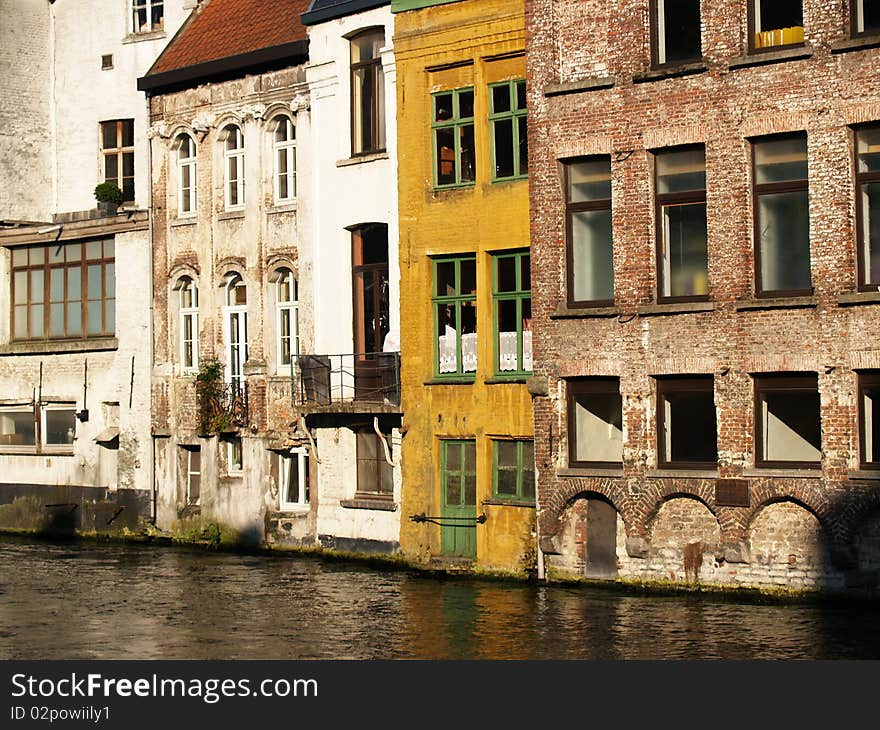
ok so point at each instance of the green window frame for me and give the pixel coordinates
(513, 469)
(455, 316)
(466, 475)
(452, 135)
(512, 313)
(508, 125)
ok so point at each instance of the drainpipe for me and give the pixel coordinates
(53, 112)
(151, 469)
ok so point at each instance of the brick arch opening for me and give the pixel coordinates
(785, 536)
(590, 537)
(568, 493)
(685, 536)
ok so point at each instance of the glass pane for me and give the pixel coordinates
(95, 288)
(111, 168)
(685, 256)
(37, 324)
(443, 107)
(505, 453)
(56, 254)
(468, 164)
(19, 257)
(868, 147)
(470, 490)
(525, 272)
(506, 481)
(871, 233)
(520, 94)
(37, 279)
(508, 324)
(453, 488)
(56, 283)
(468, 276)
(590, 180)
(37, 255)
(73, 251)
(365, 95)
(593, 266)
(528, 469)
(128, 132)
(110, 284)
(503, 146)
(127, 164)
(20, 287)
(500, 99)
(868, 16)
(523, 145)
(681, 171)
(506, 267)
(469, 337)
(690, 427)
(776, 14)
(447, 338)
(74, 318)
(444, 141)
(470, 457)
(19, 323)
(233, 138)
(445, 275)
(93, 250)
(17, 428)
(871, 439)
(785, 241)
(74, 284)
(109, 248)
(466, 104)
(678, 30)
(598, 427)
(367, 46)
(108, 135)
(791, 426)
(94, 317)
(60, 427)
(780, 160)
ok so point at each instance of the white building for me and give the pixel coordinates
(75, 319)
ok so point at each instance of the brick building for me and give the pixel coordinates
(705, 268)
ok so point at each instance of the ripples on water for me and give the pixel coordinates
(86, 601)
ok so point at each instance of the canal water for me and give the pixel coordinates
(95, 601)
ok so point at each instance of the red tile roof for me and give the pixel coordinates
(220, 29)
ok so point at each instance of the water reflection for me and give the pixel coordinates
(71, 601)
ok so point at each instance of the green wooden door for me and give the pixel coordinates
(458, 475)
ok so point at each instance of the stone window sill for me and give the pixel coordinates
(861, 297)
(148, 36)
(286, 207)
(33, 452)
(52, 347)
(577, 471)
(376, 503)
(674, 473)
(653, 310)
(183, 221)
(362, 159)
(791, 473)
(230, 215)
(297, 512)
(450, 381)
(575, 87)
(794, 53)
(683, 69)
(856, 44)
(780, 303)
(502, 502)
(508, 380)
(864, 474)
(563, 311)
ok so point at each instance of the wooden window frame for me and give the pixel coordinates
(519, 295)
(655, 40)
(863, 178)
(753, 24)
(105, 261)
(854, 9)
(570, 209)
(682, 384)
(455, 300)
(381, 463)
(775, 383)
(574, 387)
(787, 186)
(286, 148)
(456, 123)
(520, 469)
(868, 380)
(120, 152)
(189, 163)
(37, 413)
(377, 143)
(514, 114)
(661, 200)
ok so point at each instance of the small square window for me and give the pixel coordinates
(59, 426)
(787, 421)
(106, 61)
(687, 434)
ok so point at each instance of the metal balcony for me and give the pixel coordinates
(222, 406)
(362, 382)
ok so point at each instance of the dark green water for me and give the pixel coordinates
(91, 601)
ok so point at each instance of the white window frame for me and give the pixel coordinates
(289, 308)
(185, 143)
(46, 447)
(24, 448)
(287, 149)
(232, 134)
(191, 313)
(235, 313)
(234, 466)
(189, 475)
(284, 462)
(147, 5)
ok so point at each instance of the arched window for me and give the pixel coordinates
(186, 175)
(189, 323)
(235, 331)
(284, 146)
(367, 92)
(233, 158)
(287, 310)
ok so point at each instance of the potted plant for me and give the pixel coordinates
(109, 196)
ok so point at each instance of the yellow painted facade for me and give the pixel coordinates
(457, 45)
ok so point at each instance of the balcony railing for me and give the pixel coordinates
(369, 378)
(222, 406)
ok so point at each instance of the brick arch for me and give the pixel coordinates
(655, 497)
(853, 515)
(551, 515)
(810, 498)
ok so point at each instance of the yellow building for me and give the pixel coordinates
(468, 456)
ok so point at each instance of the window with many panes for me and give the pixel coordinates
(64, 291)
(47, 428)
(284, 148)
(868, 206)
(455, 315)
(513, 469)
(590, 269)
(287, 316)
(188, 292)
(512, 299)
(186, 175)
(774, 23)
(233, 158)
(293, 479)
(869, 406)
(787, 421)
(682, 242)
(595, 422)
(452, 130)
(687, 433)
(147, 16)
(865, 17)
(509, 130)
(782, 216)
(117, 151)
(458, 472)
(375, 475)
(367, 93)
(675, 31)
